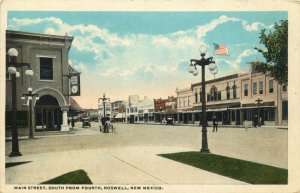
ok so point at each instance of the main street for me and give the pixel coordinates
(130, 154)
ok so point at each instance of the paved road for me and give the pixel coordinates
(129, 155)
(264, 145)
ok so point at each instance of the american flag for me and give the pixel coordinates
(220, 49)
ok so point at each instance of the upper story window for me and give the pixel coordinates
(255, 87)
(261, 87)
(227, 92)
(46, 68)
(200, 95)
(196, 97)
(189, 101)
(234, 91)
(284, 87)
(180, 102)
(185, 102)
(271, 88)
(246, 89)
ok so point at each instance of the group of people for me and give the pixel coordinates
(105, 121)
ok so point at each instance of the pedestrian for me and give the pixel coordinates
(215, 124)
(255, 120)
(73, 123)
(103, 120)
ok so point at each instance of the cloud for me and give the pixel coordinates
(239, 59)
(130, 59)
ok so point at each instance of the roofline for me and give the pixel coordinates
(38, 34)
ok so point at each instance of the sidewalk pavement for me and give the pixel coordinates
(129, 165)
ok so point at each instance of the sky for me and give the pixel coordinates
(148, 53)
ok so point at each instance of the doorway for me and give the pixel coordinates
(48, 115)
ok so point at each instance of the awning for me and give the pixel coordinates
(253, 107)
(119, 116)
(75, 108)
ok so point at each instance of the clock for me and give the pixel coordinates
(74, 89)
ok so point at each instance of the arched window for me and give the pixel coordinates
(228, 92)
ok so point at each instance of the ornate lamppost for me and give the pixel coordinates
(12, 70)
(104, 99)
(193, 69)
(258, 101)
(30, 96)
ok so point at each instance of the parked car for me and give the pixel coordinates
(169, 120)
(86, 122)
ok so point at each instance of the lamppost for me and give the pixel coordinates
(193, 69)
(258, 101)
(103, 102)
(12, 70)
(30, 97)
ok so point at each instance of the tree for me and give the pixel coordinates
(276, 55)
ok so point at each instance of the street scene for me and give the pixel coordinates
(132, 151)
(160, 98)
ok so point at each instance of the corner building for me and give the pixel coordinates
(232, 99)
(48, 58)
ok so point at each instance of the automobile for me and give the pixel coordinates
(169, 120)
(86, 122)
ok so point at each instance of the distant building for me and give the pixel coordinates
(139, 110)
(232, 99)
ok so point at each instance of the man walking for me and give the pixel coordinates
(215, 124)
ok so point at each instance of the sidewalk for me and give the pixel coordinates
(130, 165)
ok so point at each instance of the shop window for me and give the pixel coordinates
(271, 89)
(285, 110)
(46, 68)
(261, 87)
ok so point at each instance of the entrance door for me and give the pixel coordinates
(48, 114)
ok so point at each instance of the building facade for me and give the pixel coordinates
(47, 56)
(139, 110)
(233, 100)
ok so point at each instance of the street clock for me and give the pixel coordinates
(75, 85)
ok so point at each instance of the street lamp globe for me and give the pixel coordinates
(212, 66)
(191, 68)
(12, 70)
(18, 74)
(12, 52)
(29, 89)
(202, 49)
(196, 72)
(29, 72)
(214, 72)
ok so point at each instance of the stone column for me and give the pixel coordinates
(65, 126)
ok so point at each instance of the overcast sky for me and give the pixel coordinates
(148, 53)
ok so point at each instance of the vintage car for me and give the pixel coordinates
(86, 122)
(169, 120)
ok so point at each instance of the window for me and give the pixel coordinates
(189, 101)
(245, 89)
(284, 87)
(261, 87)
(213, 93)
(285, 110)
(46, 68)
(219, 96)
(200, 96)
(234, 91)
(271, 90)
(196, 97)
(228, 92)
(180, 102)
(185, 101)
(255, 87)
